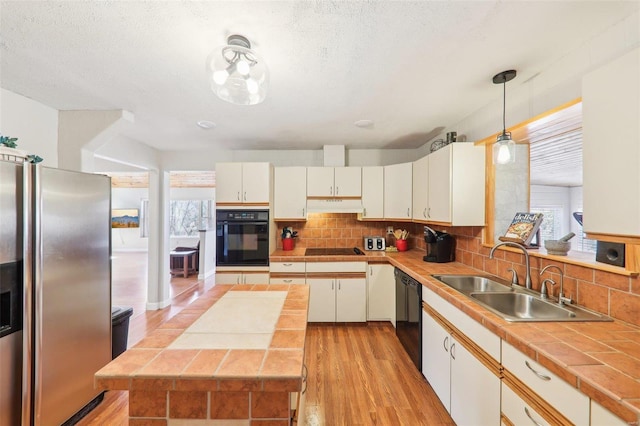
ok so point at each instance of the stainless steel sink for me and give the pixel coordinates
(513, 303)
(468, 284)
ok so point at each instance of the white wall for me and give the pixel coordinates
(34, 124)
(560, 83)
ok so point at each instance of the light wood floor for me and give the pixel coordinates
(358, 374)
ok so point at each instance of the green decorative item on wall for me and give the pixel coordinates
(9, 142)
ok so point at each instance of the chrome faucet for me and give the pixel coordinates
(561, 299)
(527, 280)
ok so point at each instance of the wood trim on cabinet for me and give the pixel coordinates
(293, 275)
(337, 275)
(320, 197)
(550, 414)
(627, 239)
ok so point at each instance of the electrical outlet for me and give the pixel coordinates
(389, 229)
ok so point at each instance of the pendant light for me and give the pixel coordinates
(238, 74)
(504, 150)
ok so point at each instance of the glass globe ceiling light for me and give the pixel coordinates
(238, 74)
(504, 150)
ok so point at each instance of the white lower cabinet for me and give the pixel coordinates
(517, 411)
(337, 299)
(600, 416)
(242, 278)
(381, 289)
(558, 394)
(467, 389)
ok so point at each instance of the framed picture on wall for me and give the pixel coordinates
(125, 218)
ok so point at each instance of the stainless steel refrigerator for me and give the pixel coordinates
(55, 282)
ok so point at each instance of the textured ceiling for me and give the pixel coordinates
(411, 67)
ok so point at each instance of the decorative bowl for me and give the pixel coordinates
(558, 248)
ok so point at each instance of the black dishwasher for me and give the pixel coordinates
(409, 315)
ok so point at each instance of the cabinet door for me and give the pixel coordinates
(439, 208)
(382, 291)
(229, 182)
(435, 358)
(322, 299)
(373, 192)
(347, 181)
(320, 182)
(351, 300)
(256, 182)
(467, 185)
(290, 198)
(255, 278)
(228, 277)
(611, 147)
(421, 188)
(398, 191)
(600, 416)
(475, 391)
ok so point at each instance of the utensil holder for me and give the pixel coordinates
(401, 245)
(288, 244)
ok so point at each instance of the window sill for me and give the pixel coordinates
(574, 258)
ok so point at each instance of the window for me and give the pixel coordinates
(551, 227)
(187, 217)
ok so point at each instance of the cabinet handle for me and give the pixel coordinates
(453, 351)
(424, 213)
(408, 211)
(445, 343)
(287, 281)
(339, 284)
(303, 211)
(238, 279)
(364, 212)
(526, 411)
(245, 195)
(287, 264)
(371, 270)
(333, 284)
(244, 279)
(429, 212)
(337, 190)
(331, 190)
(238, 195)
(537, 373)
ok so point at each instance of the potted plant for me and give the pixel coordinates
(9, 151)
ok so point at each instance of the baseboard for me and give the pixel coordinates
(158, 305)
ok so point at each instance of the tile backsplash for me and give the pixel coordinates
(612, 294)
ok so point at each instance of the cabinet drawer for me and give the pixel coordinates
(336, 267)
(288, 280)
(517, 411)
(484, 338)
(566, 399)
(287, 267)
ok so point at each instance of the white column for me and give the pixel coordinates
(158, 287)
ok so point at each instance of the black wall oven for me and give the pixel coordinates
(242, 238)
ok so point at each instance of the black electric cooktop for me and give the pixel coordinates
(331, 252)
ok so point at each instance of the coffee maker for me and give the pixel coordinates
(440, 246)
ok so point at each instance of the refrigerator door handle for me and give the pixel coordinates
(29, 172)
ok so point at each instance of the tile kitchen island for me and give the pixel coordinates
(236, 353)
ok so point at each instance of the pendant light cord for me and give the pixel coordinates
(504, 107)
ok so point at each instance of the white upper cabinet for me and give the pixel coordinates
(342, 182)
(611, 147)
(449, 186)
(421, 188)
(290, 188)
(398, 181)
(243, 183)
(372, 192)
